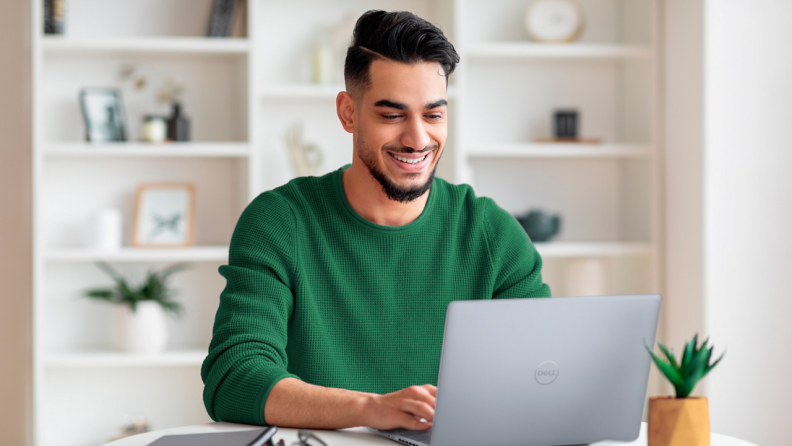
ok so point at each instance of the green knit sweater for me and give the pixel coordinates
(316, 292)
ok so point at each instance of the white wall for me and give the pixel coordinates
(728, 195)
(748, 215)
(683, 303)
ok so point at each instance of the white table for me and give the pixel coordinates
(357, 436)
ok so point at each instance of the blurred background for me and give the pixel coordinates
(640, 143)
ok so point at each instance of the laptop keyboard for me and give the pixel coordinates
(418, 436)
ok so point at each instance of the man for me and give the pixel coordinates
(337, 286)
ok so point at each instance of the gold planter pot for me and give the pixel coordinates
(678, 421)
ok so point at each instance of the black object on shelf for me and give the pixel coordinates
(222, 18)
(53, 16)
(178, 125)
(566, 124)
(540, 226)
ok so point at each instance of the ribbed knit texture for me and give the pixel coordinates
(316, 292)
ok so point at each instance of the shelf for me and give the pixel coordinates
(310, 91)
(142, 149)
(195, 45)
(561, 150)
(129, 254)
(593, 249)
(559, 50)
(305, 91)
(109, 358)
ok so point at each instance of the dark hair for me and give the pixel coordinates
(400, 36)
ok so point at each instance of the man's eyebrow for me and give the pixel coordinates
(436, 104)
(390, 104)
(402, 106)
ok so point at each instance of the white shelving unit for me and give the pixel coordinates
(83, 389)
(560, 150)
(559, 250)
(102, 358)
(191, 254)
(507, 90)
(524, 50)
(309, 91)
(195, 45)
(242, 94)
(132, 149)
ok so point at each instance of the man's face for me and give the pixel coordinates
(403, 126)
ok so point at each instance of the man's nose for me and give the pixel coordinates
(415, 135)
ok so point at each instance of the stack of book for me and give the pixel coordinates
(222, 19)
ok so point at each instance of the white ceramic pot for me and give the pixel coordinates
(145, 331)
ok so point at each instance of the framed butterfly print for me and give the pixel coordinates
(164, 215)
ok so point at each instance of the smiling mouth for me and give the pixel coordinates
(407, 160)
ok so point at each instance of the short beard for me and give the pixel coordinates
(392, 190)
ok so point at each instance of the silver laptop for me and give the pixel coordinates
(541, 372)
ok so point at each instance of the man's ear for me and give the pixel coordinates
(346, 109)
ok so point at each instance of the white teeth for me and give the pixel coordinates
(408, 160)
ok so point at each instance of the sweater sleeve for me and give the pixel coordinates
(516, 263)
(247, 354)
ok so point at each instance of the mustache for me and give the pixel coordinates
(410, 149)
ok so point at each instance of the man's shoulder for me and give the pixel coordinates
(297, 193)
(462, 199)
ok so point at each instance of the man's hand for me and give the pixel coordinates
(297, 404)
(401, 409)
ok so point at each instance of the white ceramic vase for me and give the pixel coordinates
(105, 230)
(145, 331)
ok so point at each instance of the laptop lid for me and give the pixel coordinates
(540, 372)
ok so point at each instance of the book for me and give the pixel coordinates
(250, 437)
(221, 18)
(239, 25)
(53, 16)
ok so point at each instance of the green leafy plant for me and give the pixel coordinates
(694, 366)
(155, 288)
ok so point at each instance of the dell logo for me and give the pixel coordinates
(546, 372)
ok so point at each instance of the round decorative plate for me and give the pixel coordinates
(554, 20)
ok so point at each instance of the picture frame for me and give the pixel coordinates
(103, 113)
(164, 215)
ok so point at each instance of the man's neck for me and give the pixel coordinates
(365, 195)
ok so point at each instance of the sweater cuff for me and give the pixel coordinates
(265, 394)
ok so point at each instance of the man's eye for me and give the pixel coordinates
(391, 117)
(435, 117)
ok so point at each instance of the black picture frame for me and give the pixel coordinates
(103, 113)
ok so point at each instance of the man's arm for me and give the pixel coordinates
(247, 354)
(294, 403)
(517, 264)
(245, 373)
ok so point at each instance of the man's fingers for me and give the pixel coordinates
(432, 389)
(410, 422)
(418, 409)
(422, 393)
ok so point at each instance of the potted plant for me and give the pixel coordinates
(140, 324)
(682, 420)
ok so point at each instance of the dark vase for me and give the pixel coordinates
(540, 227)
(178, 125)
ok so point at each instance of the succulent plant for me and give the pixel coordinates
(694, 366)
(154, 288)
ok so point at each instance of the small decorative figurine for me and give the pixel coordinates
(306, 158)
